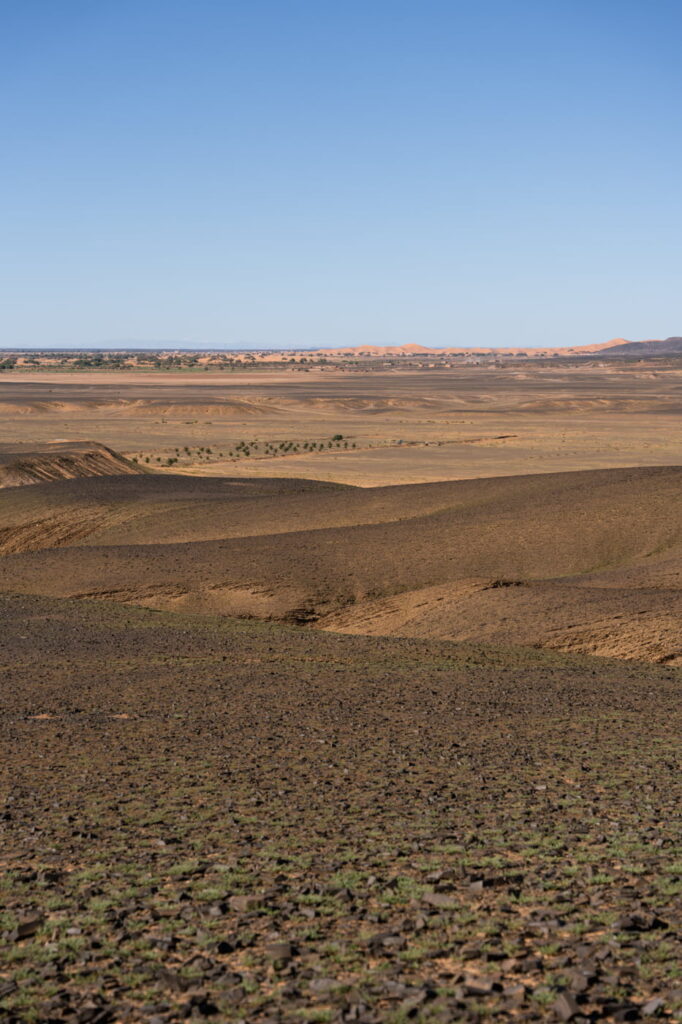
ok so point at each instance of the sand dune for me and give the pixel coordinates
(546, 350)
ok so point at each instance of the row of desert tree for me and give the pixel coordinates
(246, 449)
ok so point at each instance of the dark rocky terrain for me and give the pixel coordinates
(206, 818)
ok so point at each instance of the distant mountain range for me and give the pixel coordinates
(606, 349)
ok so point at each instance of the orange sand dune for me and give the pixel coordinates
(412, 349)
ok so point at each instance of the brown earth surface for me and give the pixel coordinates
(243, 821)
(401, 426)
(295, 753)
(588, 561)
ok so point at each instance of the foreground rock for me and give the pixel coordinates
(242, 821)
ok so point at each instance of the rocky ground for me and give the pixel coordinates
(244, 821)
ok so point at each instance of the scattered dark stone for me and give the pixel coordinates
(440, 900)
(93, 1014)
(201, 1005)
(530, 964)
(479, 986)
(279, 951)
(322, 986)
(471, 952)
(235, 994)
(243, 904)
(50, 876)
(386, 942)
(172, 980)
(27, 927)
(565, 1007)
(579, 982)
(167, 943)
(638, 923)
(626, 1013)
(217, 910)
(514, 993)
(227, 945)
(416, 999)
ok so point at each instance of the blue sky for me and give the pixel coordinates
(316, 172)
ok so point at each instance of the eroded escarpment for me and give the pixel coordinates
(66, 460)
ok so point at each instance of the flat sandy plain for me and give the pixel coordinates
(453, 424)
(276, 747)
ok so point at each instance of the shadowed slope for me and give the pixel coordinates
(154, 509)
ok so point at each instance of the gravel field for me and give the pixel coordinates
(247, 821)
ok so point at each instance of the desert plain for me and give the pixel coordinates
(342, 693)
(409, 425)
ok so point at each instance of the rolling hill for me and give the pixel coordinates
(207, 815)
(585, 561)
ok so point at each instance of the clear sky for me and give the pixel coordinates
(284, 173)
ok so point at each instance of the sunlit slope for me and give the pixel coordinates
(61, 461)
